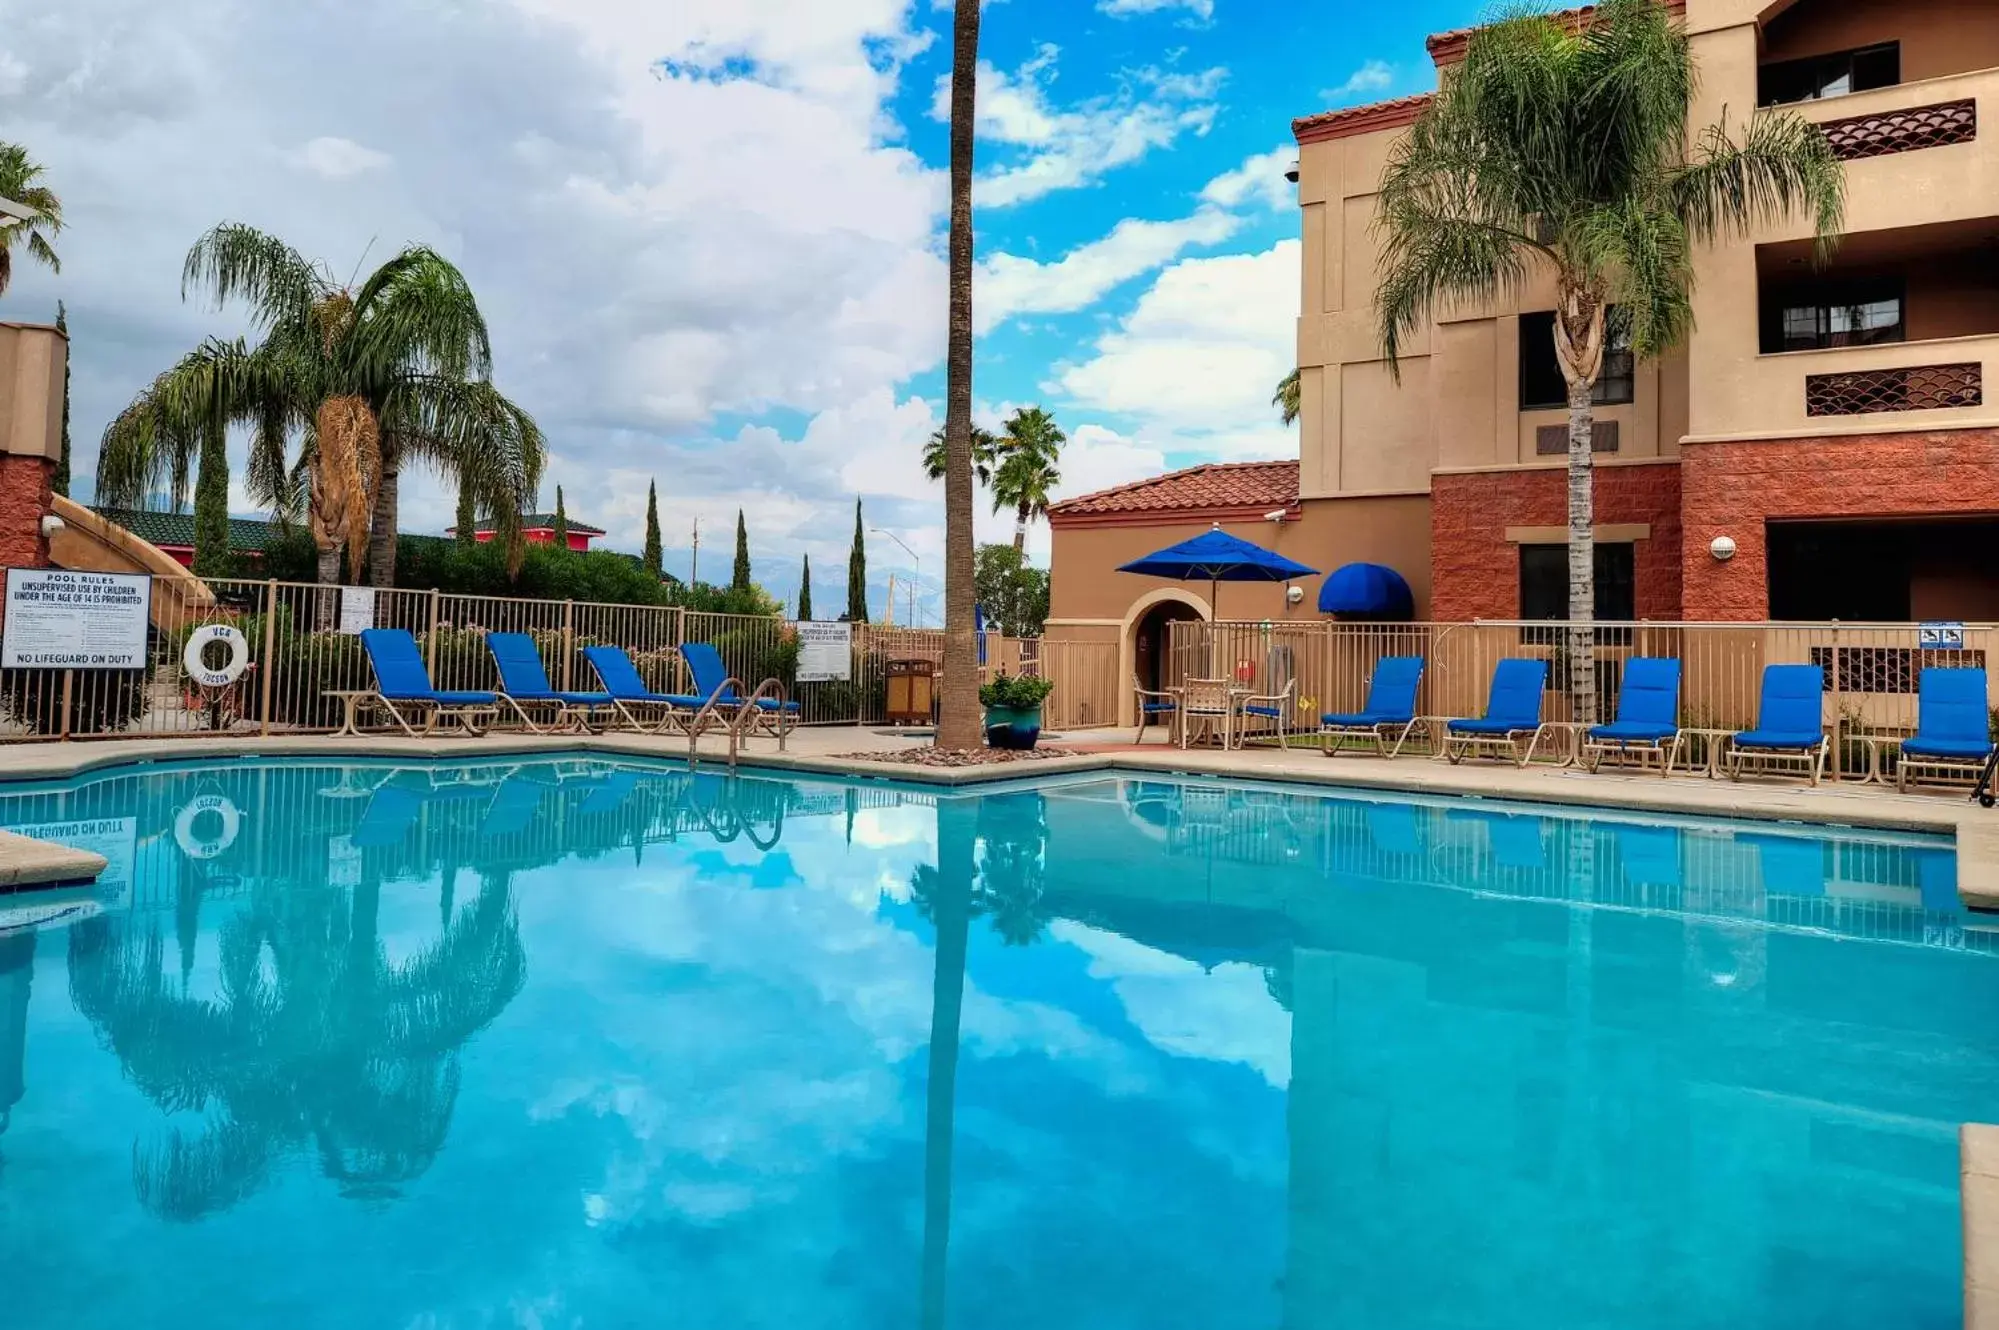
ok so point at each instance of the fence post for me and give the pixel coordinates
(269, 663)
(430, 639)
(68, 681)
(1838, 710)
(568, 640)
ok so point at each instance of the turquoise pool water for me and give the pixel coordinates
(586, 1044)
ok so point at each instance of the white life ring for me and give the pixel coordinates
(184, 834)
(232, 669)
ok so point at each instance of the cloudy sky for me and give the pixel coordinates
(708, 234)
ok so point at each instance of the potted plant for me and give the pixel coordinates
(1013, 710)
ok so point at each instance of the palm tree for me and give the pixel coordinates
(20, 180)
(1567, 153)
(1028, 453)
(985, 452)
(177, 428)
(1285, 399)
(958, 714)
(367, 378)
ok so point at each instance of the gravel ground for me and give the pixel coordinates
(928, 756)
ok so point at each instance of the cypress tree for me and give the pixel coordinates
(561, 521)
(805, 590)
(61, 482)
(857, 572)
(655, 557)
(211, 503)
(739, 580)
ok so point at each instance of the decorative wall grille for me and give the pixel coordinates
(1917, 388)
(1907, 130)
(1553, 440)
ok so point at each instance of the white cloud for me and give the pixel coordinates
(1202, 9)
(1055, 148)
(1010, 285)
(1198, 357)
(1374, 76)
(1259, 180)
(338, 158)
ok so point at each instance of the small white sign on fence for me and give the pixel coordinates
(357, 608)
(1939, 636)
(825, 652)
(69, 620)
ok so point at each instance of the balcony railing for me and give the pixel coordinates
(1905, 130)
(1914, 388)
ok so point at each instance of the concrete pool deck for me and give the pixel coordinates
(833, 751)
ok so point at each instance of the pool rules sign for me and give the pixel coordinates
(58, 619)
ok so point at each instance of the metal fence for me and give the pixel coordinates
(303, 647)
(1871, 670)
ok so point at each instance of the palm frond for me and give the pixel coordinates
(1782, 167)
(1646, 254)
(234, 261)
(417, 313)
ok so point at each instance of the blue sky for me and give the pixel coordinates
(709, 235)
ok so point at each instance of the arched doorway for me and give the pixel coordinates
(1149, 638)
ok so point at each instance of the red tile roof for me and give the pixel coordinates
(1351, 120)
(1449, 47)
(1215, 490)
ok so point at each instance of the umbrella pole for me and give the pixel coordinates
(1215, 614)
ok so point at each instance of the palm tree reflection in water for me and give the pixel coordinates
(990, 861)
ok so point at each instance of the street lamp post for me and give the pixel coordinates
(916, 564)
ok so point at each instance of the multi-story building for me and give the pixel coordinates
(1827, 427)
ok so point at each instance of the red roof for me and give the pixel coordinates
(1218, 489)
(1449, 47)
(1350, 120)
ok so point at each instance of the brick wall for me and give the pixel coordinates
(1475, 570)
(1732, 489)
(24, 500)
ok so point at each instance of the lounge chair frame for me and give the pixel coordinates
(1739, 760)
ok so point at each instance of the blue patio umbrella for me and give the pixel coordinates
(1215, 557)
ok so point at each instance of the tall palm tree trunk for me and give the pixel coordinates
(1020, 519)
(1579, 340)
(958, 722)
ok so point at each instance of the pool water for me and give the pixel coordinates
(581, 1043)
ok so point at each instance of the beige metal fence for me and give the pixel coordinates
(303, 647)
(1871, 670)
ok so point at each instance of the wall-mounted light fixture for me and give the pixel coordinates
(1722, 548)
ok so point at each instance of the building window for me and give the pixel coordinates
(1833, 75)
(1542, 387)
(1544, 585)
(1835, 314)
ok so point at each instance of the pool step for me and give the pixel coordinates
(27, 863)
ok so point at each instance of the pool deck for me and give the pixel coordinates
(830, 750)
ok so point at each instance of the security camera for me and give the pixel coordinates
(1277, 516)
(52, 524)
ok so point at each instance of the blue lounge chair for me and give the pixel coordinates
(1512, 712)
(402, 685)
(674, 712)
(1648, 717)
(1390, 709)
(524, 686)
(713, 686)
(1953, 738)
(1790, 725)
(513, 807)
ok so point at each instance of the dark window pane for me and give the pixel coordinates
(1833, 314)
(1832, 75)
(1542, 387)
(1544, 582)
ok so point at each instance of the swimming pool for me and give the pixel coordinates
(590, 1042)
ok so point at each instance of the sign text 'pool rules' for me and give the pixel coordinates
(825, 652)
(58, 619)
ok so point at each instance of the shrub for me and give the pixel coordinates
(101, 701)
(1022, 692)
